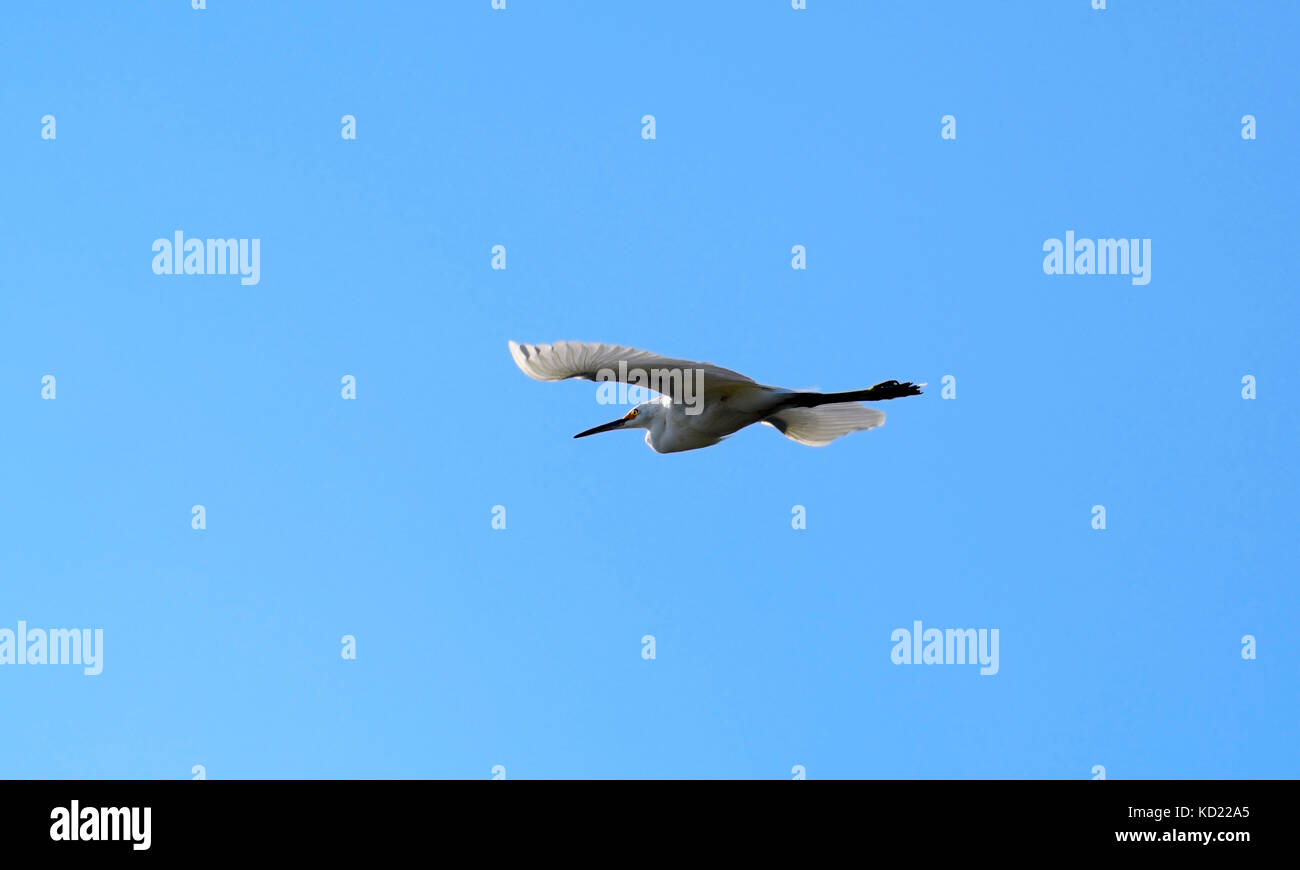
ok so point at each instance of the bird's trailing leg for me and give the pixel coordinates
(878, 393)
(891, 390)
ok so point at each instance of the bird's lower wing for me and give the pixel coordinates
(819, 426)
(611, 362)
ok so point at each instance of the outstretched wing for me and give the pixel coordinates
(611, 362)
(819, 426)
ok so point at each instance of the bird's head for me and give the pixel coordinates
(639, 417)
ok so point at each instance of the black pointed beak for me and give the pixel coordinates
(606, 427)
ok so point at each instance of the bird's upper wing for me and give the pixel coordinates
(593, 362)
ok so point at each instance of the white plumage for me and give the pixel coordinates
(703, 403)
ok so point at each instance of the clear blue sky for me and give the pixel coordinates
(479, 647)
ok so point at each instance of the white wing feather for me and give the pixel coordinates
(576, 359)
(819, 426)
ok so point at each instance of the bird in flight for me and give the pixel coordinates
(700, 403)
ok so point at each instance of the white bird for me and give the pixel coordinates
(702, 403)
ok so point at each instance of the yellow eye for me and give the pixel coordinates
(633, 414)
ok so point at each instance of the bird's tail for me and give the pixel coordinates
(878, 393)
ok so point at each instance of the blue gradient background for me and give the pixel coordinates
(522, 647)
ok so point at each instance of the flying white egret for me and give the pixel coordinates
(729, 401)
